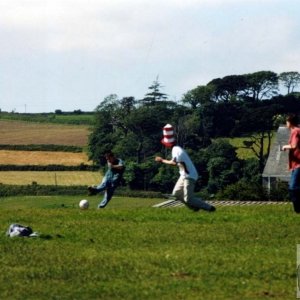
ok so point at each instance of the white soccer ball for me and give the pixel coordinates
(84, 204)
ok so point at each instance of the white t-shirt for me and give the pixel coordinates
(180, 156)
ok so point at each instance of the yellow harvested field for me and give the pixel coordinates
(9, 157)
(50, 178)
(26, 133)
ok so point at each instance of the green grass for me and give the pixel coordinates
(246, 153)
(131, 250)
(65, 118)
(88, 119)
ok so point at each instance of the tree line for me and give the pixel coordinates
(249, 105)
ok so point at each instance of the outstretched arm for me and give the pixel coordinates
(118, 167)
(116, 164)
(165, 161)
(288, 147)
(171, 162)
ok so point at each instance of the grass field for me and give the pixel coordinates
(25, 133)
(50, 178)
(14, 157)
(246, 153)
(64, 118)
(131, 250)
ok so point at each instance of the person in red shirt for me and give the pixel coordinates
(294, 160)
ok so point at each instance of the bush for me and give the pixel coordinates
(251, 171)
(123, 192)
(244, 191)
(139, 176)
(280, 192)
(165, 179)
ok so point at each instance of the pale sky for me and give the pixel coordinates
(71, 54)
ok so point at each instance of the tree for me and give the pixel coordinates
(101, 139)
(146, 123)
(261, 85)
(222, 165)
(207, 114)
(106, 130)
(127, 104)
(110, 104)
(229, 88)
(155, 94)
(290, 80)
(77, 112)
(187, 131)
(258, 123)
(198, 96)
(126, 107)
(226, 116)
(225, 107)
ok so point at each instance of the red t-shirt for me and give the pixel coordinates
(294, 154)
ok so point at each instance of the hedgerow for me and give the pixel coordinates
(42, 147)
(81, 167)
(35, 189)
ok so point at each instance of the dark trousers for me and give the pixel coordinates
(295, 198)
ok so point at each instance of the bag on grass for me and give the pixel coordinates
(19, 230)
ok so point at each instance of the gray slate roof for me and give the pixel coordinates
(277, 163)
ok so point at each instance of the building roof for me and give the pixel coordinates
(277, 163)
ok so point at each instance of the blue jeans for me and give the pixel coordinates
(109, 188)
(294, 189)
(295, 180)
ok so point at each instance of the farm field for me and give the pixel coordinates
(87, 118)
(131, 250)
(25, 133)
(50, 178)
(16, 157)
(21, 132)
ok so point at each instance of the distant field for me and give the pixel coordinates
(25, 133)
(87, 118)
(8, 157)
(50, 178)
(244, 153)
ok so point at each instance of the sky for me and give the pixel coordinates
(71, 54)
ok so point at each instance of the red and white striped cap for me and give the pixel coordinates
(168, 139)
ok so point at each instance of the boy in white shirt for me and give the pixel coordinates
(185, 185)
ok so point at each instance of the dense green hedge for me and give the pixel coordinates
(45, 190)
(81, 167)
(50, 147)
(126, 192)
(247, 191)
(35, 189)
